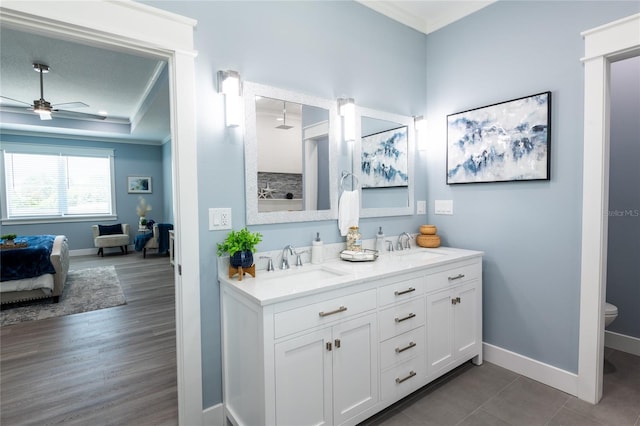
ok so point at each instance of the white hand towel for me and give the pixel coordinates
(348, 211)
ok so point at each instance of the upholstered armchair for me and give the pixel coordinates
(111, 236)
(153, 242)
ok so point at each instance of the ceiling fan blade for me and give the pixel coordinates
(71, 105)
(16, 100)
(74, 114)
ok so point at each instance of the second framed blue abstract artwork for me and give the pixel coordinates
(503, 142)
(384, 160)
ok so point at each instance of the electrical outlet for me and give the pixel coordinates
(219, 219)
(443, 207)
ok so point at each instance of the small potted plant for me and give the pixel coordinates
(240, 245)
(9, 239)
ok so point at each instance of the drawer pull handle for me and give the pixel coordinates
(409, 346)
(457, 277)
(404, 379)
(337, 311)
(400, 293)
(411, 315)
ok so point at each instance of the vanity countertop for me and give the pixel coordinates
(281, 285)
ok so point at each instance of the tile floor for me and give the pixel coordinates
(490, 395)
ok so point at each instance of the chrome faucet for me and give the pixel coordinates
(285, 257)
(406, 245)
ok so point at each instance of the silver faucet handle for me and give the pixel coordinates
(299, 257)
(389, 245)
(269, 264)
(408, 243)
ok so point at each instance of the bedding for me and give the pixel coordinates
(45, 285)
(28, 262)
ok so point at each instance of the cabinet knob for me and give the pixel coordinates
(337, 343)
(328, 345)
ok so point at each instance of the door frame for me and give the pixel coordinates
(605, 44)
(142, 29)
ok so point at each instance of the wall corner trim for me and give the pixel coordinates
(539, 371)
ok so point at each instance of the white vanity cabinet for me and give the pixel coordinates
(337, 351)
(328, 376)
(454, 318)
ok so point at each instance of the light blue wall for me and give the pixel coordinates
(623, 268)
(130, 160)
(530, 231)
(327, 49)
(167, 189)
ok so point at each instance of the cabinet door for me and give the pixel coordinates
(466, 318)
(439, 331)
(303, 380)
(355, 365)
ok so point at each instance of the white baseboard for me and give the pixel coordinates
(622, 342)
(528, 367)
(213, 416)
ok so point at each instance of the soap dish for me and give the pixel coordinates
(365, 255)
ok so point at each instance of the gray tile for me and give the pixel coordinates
(526, 402)
(396, 419)
(482, 418)
(567, 417)
(626, 369)
(620, 405)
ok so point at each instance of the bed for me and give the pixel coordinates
(37, 271)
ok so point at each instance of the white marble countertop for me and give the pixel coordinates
(281, 285)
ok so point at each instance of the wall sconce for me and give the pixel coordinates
(230, 85)
(420, 124)
(347, 110)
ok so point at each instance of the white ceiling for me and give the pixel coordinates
(133, 90)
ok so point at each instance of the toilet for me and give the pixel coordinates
(610, 313)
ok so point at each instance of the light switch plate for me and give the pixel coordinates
(421, 207)
(443, 207)
(219, 219)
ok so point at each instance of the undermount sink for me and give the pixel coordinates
(302, 274)
(417, 254)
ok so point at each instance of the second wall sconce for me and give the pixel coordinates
(347, 110)
(230, 84)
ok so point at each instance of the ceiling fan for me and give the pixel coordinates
(44, 108)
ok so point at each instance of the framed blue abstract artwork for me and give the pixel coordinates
(503, 142)
(384, 161)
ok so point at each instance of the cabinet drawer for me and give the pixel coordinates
(453, 276)
(402, 348)
(403, 379)
(401, 291)
(401, 318)
(320, 313)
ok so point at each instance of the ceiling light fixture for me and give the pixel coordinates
(230, 85)
(284, 125)
(347, 110)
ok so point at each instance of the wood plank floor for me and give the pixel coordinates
(114, 366)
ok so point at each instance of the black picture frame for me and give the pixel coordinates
(502, 142)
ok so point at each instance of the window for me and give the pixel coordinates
(52, 182)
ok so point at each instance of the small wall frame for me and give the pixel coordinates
(139, 185)
(503, 142)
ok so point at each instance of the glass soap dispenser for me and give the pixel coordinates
(380, 241)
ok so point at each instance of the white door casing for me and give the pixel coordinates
(605, 44)
(140, 28)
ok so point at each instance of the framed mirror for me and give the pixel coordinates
(383, 161)
(290, 155)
